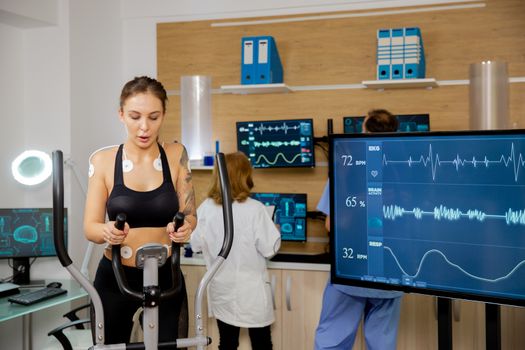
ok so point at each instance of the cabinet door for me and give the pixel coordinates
(302, 293)
(276, 282)
(512, 334)
(193, 275)
(468, 325)
(418, 323)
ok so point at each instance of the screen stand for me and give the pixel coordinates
(444, 313)
(21, 275)
(492, 326)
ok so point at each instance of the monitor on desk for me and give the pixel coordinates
(277, 143)
(27, 233)
(289, 213)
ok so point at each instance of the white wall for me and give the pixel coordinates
(29, 13)
(96, 79)
(34, 95)
(11, 100)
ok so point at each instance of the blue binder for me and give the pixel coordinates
(397, 50)
(248, 63)
(269, 69)
(383, 53)
(414, 63)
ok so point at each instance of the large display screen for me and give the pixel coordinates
(289, 212)
(435, 213)
(277, 143)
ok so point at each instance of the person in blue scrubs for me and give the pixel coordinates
(344, 306)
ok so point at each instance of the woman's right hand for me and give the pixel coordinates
(182, 234)
(114, 236)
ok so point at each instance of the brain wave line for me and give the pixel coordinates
(516, 217)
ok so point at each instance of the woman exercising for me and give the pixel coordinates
(150, 183)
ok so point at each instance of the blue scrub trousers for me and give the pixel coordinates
(342, 313)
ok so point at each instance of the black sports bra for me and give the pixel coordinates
(154, 208)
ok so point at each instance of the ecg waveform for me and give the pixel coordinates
(262, 156)
(436, 251)
(434, 161)
(262, 128)
(511, 217)
(275, 144)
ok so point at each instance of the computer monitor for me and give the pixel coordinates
(438, 213)
(407, 123)
(26, 233)
(277, 143)
(289, 213)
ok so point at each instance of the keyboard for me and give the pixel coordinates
(36, 296)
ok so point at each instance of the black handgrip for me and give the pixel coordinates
(227, 213)
(176, 279)
(58, 209)
(178, 220)
(120, 221)
(118, 270)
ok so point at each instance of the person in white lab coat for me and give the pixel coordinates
(240, 294)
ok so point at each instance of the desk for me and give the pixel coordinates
(10, 311)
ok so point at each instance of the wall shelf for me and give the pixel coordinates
(197, 164)
(255, 89)
(366, 84)
(400, 83)
(201, 167)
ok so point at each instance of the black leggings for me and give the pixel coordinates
(260, 338)
(119, 310)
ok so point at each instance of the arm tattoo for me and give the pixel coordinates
(189, 203)
(184, 165)
(188, 193)
(184, 158)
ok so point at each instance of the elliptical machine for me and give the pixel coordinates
(149, 257)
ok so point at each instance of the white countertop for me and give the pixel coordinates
(198, 260)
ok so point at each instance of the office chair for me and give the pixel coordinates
(72, 335)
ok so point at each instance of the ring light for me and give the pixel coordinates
(31, 167)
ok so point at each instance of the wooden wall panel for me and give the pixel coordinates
(342, 51)
(339, 51)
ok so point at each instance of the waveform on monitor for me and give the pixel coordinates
(262, 156)
(511, 217)
(283, 127)
(277, 143)
(448, 261)
(433, 160)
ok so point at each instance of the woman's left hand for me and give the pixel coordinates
(182, 234)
